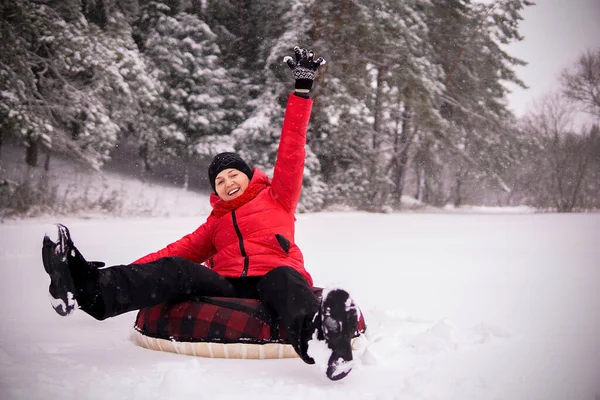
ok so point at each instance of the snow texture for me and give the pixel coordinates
(458, 305)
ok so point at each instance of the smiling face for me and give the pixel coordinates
(231, 183)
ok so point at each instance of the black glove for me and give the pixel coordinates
(304, 68)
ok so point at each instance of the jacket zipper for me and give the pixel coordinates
(242, 249)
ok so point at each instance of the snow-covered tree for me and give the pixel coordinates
(467, 39)
(380, 75)
(257, 138)
(412, 96)
(52, 88)
(74, 85)
(200, 100)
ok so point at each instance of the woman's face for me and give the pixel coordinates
(231, 183)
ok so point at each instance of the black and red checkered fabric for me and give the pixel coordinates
(216, 319)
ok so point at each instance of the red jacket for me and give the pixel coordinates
(254, 233)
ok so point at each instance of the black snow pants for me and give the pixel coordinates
(108, 292)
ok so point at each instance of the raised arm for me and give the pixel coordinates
(289, 166)
(196, 246)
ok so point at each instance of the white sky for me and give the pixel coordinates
(556, 33)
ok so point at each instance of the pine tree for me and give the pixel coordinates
(381, 81)
(412, 86)
(53, 89)
(467, 39)
(257, 138)
(199, 96)
(17, 88)
(341, 129)
(77, 86)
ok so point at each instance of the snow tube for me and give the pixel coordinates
(217, 327)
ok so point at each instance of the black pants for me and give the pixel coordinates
(107, 292)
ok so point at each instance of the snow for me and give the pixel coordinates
(474, 305)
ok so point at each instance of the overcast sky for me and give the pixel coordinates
(556, 33)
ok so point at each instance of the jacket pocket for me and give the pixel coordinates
(283, 242)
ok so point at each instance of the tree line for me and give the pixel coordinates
(412, 101)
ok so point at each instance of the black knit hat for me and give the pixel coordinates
(224, 161)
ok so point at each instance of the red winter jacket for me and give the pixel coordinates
(254, 233)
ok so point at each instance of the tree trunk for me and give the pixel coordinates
(377, 111)
(186, 178)
(557, 168)
(583, 156)
(1, 145)
(402, 144)
(377, 196)
(457, 190)
(144, 153)
(31, 150)
(420, 182)
(421, 162)
(186, 174)
(47, 160)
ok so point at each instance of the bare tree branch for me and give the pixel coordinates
(582, 82)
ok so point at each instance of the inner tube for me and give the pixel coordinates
(217, 327)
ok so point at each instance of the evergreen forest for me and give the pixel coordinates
(411, 103)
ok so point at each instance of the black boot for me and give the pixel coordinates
(55, 259)
(339, 322)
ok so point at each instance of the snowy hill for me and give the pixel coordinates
(116, 191)
(458, 306)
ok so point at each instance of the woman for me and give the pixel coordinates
(247, 244)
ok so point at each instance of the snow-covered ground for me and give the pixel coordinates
(458, 306)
